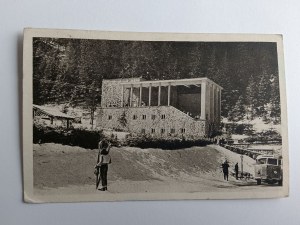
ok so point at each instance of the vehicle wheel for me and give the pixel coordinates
(280, 182)
(258, 181)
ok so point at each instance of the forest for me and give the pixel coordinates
(70, 71)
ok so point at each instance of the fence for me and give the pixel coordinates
(242, 151)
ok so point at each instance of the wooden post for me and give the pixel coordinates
(150, 87)
(213, 103)
(131, 93)
(140, 100)
(242, 169)
(203, 100)
(169, 92)
(122, 96)
(220, 96)
(218, 105)
(159, 92)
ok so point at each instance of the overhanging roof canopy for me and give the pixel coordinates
(156, 83)
(52, 112)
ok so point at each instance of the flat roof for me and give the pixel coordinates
(52, 112)
(155, 83)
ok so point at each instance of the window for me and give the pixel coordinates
(163, 116)
(153, 117)
(182, 130)
(162, 130)
(172, 131)
(143, 131)
(262, 161)
(152, 130)
(109, 117)
(144, 117)
(134, 117)
(272, 161)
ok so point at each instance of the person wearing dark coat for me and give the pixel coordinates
(236, 170)
(225, 167)
(105, 159)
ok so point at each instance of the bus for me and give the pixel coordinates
(268, 168)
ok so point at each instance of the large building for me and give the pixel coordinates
(189, 108)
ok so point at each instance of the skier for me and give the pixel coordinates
(102, 163)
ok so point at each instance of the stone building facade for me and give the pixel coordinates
(189, 108)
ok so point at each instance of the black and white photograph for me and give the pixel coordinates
(111, 116)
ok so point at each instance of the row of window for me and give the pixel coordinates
(163, 116)
(163, 130)
(134, 117)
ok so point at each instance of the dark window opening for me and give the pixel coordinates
(272, 161)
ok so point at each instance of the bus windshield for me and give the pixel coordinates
(262, 161)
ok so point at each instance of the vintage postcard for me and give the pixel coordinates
(113, 116)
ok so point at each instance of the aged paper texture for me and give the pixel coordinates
(113, 116)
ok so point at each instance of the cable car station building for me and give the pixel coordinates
(187, 108)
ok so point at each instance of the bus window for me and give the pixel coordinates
(272, 161)
(261, 161)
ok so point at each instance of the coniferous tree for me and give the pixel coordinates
(250, 98)
(275, 113)
(238, 111)
(66, 70)
(262, 95)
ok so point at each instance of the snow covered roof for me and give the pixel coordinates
(52, 112)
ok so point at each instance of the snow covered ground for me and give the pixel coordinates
(60, 169)
(258, 124)
(233, 158)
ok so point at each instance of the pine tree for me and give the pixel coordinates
(275, 113)
(251, 98)
(262, 94)
(224, 81)
(237, 113)
(212, 66)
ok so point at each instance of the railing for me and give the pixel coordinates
(185, 113)
(241, 151)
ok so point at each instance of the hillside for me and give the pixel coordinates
(133, 169)
(71, 71)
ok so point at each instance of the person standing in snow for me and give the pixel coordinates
(225, 167)
(236, 170)
(105, 159)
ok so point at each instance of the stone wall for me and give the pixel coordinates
(112, 92)
(140, 119)
(182, 98)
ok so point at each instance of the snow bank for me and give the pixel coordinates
(233, 158)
